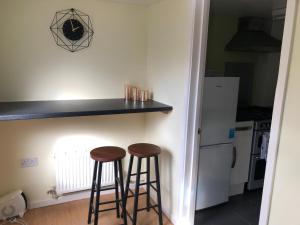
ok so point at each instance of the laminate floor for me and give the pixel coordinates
(75, 213)
(240, 210)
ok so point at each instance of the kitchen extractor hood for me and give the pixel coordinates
(251, 37)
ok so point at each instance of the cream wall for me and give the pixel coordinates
(139, 44)
(169, 29)
(42, 138)
(32, 67)
(285, 206)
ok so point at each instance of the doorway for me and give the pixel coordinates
(193, 142)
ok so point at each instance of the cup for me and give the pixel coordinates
(127, 92)
(143, 96)
(134, 94)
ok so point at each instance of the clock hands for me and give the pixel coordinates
(73, 29)
(71, 24)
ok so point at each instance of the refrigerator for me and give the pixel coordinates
(219, 107)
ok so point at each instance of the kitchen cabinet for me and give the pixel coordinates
(242, 152)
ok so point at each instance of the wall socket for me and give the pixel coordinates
(29, 162)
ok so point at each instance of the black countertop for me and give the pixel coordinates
(25, 110)
(254, 113)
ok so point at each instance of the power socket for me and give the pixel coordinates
(29, 162)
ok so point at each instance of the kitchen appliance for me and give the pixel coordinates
(252, 37)
(12, 205)
(257, 163)
(217, 156)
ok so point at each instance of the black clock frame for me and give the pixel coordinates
(72, 29)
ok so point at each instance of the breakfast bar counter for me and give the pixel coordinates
(25, 110)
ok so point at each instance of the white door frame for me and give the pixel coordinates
(187, 194)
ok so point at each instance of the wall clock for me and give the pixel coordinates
(72, 29)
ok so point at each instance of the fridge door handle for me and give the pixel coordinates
(234, 157)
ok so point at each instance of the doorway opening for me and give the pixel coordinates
(242, 64)
(249, 74)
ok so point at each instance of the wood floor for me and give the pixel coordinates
(75, 213)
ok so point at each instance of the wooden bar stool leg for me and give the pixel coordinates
(128, 181)
(148, 184)
(96, 209)
(136, 192)
(122, 192)
(158, 191)
(117, 188)
(92, 193)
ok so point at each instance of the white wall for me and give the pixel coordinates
(42, 138)
(285, 205)
(139, 44)
(32, 67)
(169, 29)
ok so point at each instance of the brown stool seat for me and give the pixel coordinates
(144, 150)
(102, 155)
(108, 154)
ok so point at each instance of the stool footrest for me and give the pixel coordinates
(150, 207)
(104, 210)
(109, 202)
(107, 188)
(142, 209)
(132, 193)
(155, 210)
(154, 188)
(151, 182)
(134, 174)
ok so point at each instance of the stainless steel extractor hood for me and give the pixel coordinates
(251, 37)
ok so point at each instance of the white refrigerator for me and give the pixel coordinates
(219, 108)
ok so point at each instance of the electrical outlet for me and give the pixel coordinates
(29, 162)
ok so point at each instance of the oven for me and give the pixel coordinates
(257, 162)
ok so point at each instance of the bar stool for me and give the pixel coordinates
(144, 150)
(103, 155)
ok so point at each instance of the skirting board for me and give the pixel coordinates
(166, 211)
(236, 189)
(67, 198)
(64, 199)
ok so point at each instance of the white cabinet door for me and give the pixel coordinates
(242, 144)
(214, 175)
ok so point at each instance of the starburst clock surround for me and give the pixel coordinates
(72, 29)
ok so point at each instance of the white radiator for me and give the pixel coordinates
(74, 171)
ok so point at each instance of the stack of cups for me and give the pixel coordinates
(136, 94)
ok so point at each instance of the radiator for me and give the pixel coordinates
(74, 171)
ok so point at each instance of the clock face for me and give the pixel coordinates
(73, 29)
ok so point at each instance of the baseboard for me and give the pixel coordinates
(236, 189)
(66, 198)
(166, 212)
